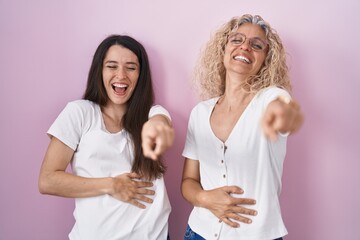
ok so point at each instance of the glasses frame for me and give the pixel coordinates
(265, 42)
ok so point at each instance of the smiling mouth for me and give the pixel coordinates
(243, 59)
(120, 88)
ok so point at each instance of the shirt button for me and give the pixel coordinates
(222, 161)
(215, 235)
(224, 176)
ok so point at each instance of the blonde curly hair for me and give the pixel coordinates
(209, 74)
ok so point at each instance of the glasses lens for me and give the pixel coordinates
(237, 38)
(257, 44)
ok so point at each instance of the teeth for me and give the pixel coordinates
(242, 58)
(119, 85)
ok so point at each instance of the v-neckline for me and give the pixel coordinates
(237, 121)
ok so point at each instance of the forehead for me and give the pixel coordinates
(120, 54)
(251, 30)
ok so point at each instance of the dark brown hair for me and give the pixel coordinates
(139, 104)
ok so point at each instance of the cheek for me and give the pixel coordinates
(104, 75)
(260, 62)
(227, 54)
(107, 75)
(227, 51)
(135, 78)
(226, 58)
(134, 82)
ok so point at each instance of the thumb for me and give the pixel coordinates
(133, 175)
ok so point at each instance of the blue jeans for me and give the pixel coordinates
(191, 235)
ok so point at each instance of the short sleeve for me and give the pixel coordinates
(272, 93)
(190, 142)
(68, 126)
(159, 110)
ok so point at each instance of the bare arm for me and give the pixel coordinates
(54, 179)
(157, 136)
(282, 115)
(218, 201)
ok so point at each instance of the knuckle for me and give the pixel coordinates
(228, 202)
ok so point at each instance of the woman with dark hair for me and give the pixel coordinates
(236, 140)
(113, 139)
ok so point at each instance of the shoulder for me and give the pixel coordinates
(86, 104)
(83, 106)
(269, 94)
(81, 110)
(203, 109)
(206, 105)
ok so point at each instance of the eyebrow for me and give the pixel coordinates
(236, 33)
(115, 62)
(110, 61)
(132, 63)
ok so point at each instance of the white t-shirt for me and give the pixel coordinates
(248, 160)
(99, 153)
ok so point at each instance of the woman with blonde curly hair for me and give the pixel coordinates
(237, 136)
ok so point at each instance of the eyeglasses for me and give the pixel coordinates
(256, 44)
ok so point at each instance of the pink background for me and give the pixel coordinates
(45, 53)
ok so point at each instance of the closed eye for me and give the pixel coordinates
(236, 41)
(257, 46)
(111, 66)
(131, 66)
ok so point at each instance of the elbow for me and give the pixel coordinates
(44, 186)
(184, 188)
(182, 192)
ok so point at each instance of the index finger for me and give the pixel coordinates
(148, 146)
(160, 145)
(244, 201)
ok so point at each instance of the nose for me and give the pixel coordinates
(246, 45)
(120, 73)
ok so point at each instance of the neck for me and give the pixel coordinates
(235, 99)
(113, 113)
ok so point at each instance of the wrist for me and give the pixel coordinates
(201, 197)
(109, 187)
